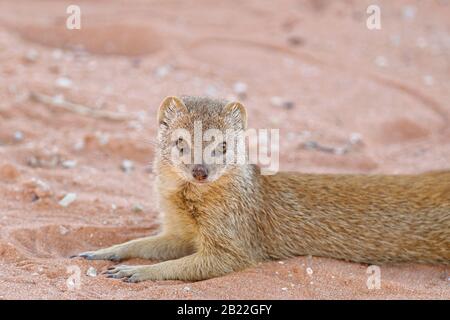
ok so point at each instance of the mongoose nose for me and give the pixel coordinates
(200, 172)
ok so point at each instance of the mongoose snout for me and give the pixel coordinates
(200, 172)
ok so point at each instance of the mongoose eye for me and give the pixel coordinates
(224, 147)
(221, 149)
(179, 143)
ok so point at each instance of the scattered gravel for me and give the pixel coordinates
(280, 102)
(240, 89)
(68, 199)
(18, 136)
(127, 166)
(69, 164)
(91, 272)
(31, 56)
(63, 82)
(138, 208)
(163, 71)
(63, 230)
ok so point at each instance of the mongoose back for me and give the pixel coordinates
(225, 217)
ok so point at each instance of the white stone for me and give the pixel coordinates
(18, 136)
(428, 80)
(63, 230)
(409, 12)
(138, 208)
(91, 272)
(63, 82)
(68, 199)
(127, 165)
(240, 88)
(69, 164)
(355, 138)
(381, 61)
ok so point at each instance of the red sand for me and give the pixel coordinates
(391, 86)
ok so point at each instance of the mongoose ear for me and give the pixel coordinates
(169, 108)
(237, 112)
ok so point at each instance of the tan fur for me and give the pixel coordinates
(244, 218)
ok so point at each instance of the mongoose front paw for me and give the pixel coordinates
(132, 273)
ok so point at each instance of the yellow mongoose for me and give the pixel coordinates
(222, 218)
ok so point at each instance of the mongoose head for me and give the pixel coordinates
(195, 134)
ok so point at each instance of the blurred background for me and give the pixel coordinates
(78, 107)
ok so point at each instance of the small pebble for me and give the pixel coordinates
(409, 12)
(309, 271)
(79, 145)
(58, 99)
(187, 289)
(281, 103)
(127, 166)
(91, 272)
(63, 82)
(428, 80)
(355, 138)
(240, 89)
(69, 164)
(57, 54)
(103, 138)
(138, 208)
(68, 199)
(340, 151)
(284, 289)
(280, 262)
(63, 230)
(31, 56)
(18, 136)
(163, 71)
(381, 61)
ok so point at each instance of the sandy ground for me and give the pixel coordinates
(388, 89)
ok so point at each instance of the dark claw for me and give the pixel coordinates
(114, 259)
(74, 256)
